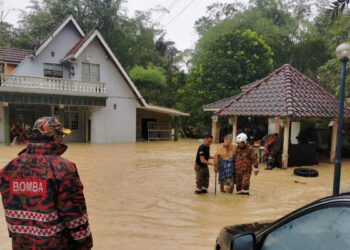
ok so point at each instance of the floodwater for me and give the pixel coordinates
(140, 195)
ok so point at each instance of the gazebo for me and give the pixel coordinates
(285, 95)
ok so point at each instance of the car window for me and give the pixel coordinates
(324, 229)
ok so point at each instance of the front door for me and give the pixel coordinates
(145, 127)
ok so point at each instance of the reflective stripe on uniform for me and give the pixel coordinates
(19, 229)
(26, 215)
(81, 234)
(78, 222)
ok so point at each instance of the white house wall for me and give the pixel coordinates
(62, 43)
(109, 125)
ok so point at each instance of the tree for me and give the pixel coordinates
(216, 13)
(224, 62)
(329, 77)
(151, 82)
(337, 7)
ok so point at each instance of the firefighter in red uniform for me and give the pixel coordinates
(43, 196)
(246, 158)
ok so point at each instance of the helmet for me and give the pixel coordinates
(242, 137)
(49, 126)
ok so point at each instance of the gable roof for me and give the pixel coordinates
(80, 46)
(57, 30)
(285, 93)
(13, 55)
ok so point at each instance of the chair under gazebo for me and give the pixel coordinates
(285, 95)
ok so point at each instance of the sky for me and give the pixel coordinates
(180, 30)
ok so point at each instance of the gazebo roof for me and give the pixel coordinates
(216, 106)
(285, 93)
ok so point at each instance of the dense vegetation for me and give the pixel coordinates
(237, 44)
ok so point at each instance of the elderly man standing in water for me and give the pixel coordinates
(201, 166)
(225, 164)
(246, 158)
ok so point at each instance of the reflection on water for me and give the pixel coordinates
(140, 196)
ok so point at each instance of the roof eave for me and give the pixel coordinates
(97, 34)
(211, 109)
(70, 18)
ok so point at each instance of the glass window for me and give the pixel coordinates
(90, 72)
(324, 229)
(53, 70)
(71, 118)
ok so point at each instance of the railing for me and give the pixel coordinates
(157, 131)
(52, 84)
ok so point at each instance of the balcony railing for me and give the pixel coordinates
(48, 85)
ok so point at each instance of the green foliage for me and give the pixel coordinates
(329, 77)
(151, 82)
(224, 62)
(148, 77)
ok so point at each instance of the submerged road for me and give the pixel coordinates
(140, 196)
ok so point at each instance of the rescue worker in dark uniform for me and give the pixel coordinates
(246, 158)
(201, 166)
(43, 196)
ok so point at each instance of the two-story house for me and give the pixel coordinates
(77, 77)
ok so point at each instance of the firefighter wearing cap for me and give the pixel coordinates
(43, 196)
(246, 158)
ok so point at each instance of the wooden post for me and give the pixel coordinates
(285, 143)
(234, 128)
(215, 130)
(176, 128)
(277, 125)
(334, 140)
(7, 125)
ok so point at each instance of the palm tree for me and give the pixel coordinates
(336, 8)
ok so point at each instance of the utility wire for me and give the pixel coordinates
(169, 8)
(182, 11)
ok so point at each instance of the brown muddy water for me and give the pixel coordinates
(140, 196)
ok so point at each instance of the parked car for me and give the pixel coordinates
(323, 224)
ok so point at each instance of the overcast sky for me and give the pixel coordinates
(179, 30)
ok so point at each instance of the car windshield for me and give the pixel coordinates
(324, 229)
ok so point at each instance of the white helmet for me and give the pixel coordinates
(242, 137)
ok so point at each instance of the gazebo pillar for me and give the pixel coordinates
(215, 129)
(234, 128)
(334, 140)
(285, 143)
(277, 125)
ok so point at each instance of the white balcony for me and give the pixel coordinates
(47, 85)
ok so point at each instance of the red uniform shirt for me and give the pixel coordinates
(43, 200)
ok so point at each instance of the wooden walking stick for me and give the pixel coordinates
(215, 181)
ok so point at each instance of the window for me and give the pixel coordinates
(2, 68)
(90, 72)
(71, 118)
(325, 229)
(53, 70)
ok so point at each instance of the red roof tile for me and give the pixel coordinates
(13, 55)
(285, 93)
(77, 46)
(221, 104)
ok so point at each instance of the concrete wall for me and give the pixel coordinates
(117, 121)
(62, 43)
(108, 124)
(2, 127)
(145, 114)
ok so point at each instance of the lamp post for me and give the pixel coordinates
(343, 54)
